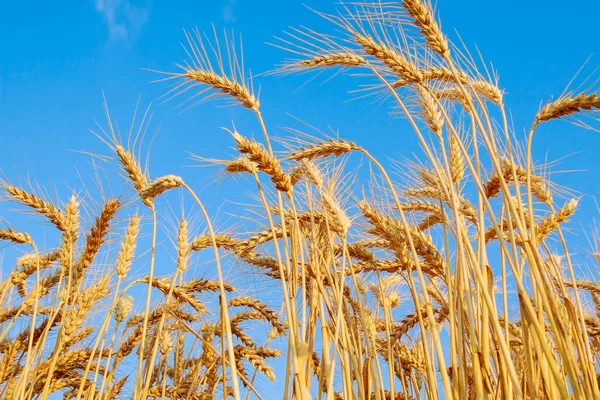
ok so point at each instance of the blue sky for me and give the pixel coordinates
(57, 57)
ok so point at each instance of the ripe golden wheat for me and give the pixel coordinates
(457, 285)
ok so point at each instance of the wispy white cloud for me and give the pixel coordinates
(124, 20)
(228, 11)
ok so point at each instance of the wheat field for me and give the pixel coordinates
(453, 281)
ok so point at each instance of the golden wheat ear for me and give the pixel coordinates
(97, 236)
(128, 150)
(14, 236)
(49, 210)
(265, 162)
(313, 51)
(566, 106)
(208, 70)
(425, 21)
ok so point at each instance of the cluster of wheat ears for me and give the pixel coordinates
(459, 285)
